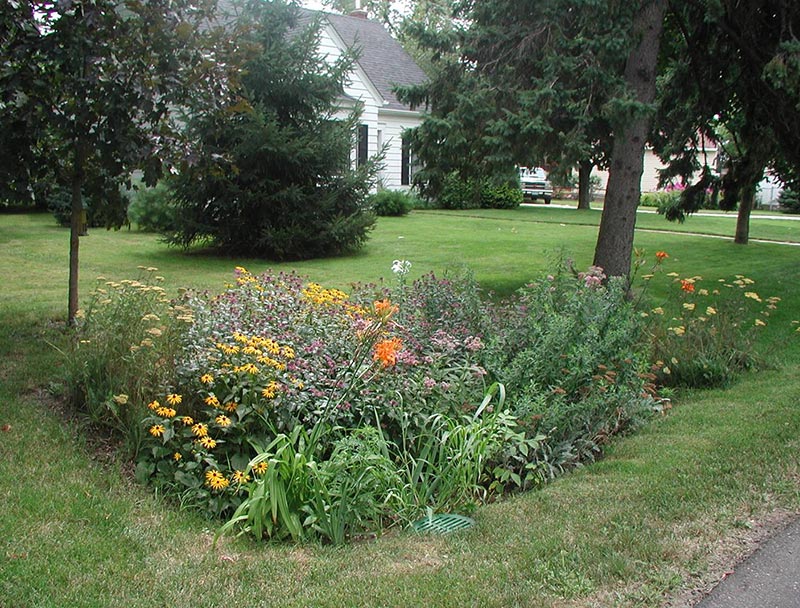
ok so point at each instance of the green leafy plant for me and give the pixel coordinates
(153, 209)
(392, 202)
(124, 347)
(703, 336)
(789, 200)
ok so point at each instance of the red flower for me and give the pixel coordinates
(687, 286)
(660, 255)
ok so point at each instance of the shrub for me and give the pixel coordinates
(487, 193)
(789, 201)
(392, 203)
(273, 176)
(153, 209)
(125, 344)
(500, 195)
(566, 350)
(704, 336)
(459, 193)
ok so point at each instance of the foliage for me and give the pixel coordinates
(126, 340)
(153, 209)
(277, 383)
(392, 202)
(705, 336)
(472, 193)
(90, 90)
(273, 177)
(566, 350)
(730, 75)
(789, 200)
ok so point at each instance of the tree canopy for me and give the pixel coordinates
(89, 89)
(731, 74)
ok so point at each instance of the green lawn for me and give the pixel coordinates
(772, 227)
(642, 525)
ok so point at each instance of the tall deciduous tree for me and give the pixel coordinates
(92, 84)
(273, 175)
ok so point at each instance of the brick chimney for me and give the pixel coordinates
(358, 12)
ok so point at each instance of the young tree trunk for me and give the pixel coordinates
(746, 203)
(584, 184)
(615, 238)
(76, 214)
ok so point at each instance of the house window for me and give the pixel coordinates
(363, 145)
(408, 162)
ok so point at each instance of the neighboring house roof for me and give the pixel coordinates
(382, 59)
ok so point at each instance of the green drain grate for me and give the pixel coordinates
(443, 523)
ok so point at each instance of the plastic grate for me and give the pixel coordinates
(443, 523)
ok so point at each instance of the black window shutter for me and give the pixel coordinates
(363, 140)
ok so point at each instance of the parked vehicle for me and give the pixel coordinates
(535, 184)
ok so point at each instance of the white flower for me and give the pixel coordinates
(401, 267)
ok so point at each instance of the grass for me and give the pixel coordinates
(642, 525)
(771, 227)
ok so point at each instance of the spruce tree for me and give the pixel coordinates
(274, 176)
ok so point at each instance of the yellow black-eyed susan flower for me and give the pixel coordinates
(207, 442)
(174, 399)
(157, 430)
(216, 480)
(240, 477)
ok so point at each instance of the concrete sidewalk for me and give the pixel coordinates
(770, 578)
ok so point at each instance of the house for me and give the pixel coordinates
(382, 63)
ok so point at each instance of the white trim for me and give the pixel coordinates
(357, 69)
(397, 112)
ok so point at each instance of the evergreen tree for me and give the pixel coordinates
(274, 175)
(731, 74)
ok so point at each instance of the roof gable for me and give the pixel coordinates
(382, 59)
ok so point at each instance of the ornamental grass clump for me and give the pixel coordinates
(125, 344)
(703, 333)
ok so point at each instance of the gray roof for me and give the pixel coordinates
(380, 56)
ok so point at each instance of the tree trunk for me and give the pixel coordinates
(584, 184)
(76, 214)
(615, 238)
(746, 201)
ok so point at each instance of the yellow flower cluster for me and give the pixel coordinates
(216, 480)
(317, 294)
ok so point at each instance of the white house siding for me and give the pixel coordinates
(385, 126)
(392, 125)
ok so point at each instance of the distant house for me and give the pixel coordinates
(382, 63)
